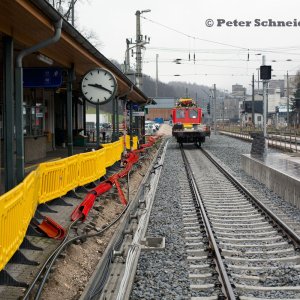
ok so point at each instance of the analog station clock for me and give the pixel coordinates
(99, 86)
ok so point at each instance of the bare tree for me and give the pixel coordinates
(92, 37)
(67, 9)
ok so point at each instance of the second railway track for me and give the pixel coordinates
(261, 257)
(228, 245)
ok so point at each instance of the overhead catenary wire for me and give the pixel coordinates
(233, 52)
(205, 74)
(191, 36)
(206, 65)
(247, 49)
(207, 51)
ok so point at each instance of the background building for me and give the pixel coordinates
(162, 109)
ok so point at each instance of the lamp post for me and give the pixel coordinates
(156, 81)
(287, 92)
(215, 109)
(264, 100)
(253, 110)
(287, 99)
(139, 41)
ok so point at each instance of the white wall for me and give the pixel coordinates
(92, 118)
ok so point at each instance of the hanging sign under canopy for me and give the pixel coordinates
(42, 77)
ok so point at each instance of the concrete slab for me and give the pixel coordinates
(279, 172)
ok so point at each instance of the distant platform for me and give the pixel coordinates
(279, 172)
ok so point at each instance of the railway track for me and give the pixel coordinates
(235, 247)
(113, 277)
(259, 253)
(97, 227)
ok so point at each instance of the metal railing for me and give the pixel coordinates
(286, 139)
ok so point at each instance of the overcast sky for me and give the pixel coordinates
(178, 29)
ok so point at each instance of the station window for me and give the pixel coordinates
(33, 112)
(193, 114)
(180, 114)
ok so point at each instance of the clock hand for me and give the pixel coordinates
(99, 86)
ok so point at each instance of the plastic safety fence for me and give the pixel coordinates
(56, 178)
(91, 166)
(49, 181)
(134, 142)
(71, 176)
(52, 178)
(109, 155)
(119, 149)
(113, 152)
(17, 207)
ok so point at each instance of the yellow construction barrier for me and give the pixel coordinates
(92, 166)
(58, 177)
(17, 207)
(109, 154)
(30, 196)
(72, 170)
(118, 149)
(134, 141)
(52, 179)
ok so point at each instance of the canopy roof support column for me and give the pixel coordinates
(19, 97)
(70, 110)
(8, 125)
(130, 126)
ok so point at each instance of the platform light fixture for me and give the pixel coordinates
(44, 59)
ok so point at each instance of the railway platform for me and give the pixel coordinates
(280, 172)
(281, 142)
(58, 153)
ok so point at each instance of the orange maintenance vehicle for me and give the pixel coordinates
(187, 123)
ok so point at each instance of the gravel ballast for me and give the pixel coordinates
(229, 151)
(164, 274)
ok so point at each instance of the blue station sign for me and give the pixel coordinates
(42, 77)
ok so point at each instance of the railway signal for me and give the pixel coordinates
(265, 72)
(208, 108)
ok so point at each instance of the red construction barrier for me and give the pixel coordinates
(82, 210)
(151, 141)
(51, 228)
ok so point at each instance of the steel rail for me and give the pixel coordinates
(99, 278)
(43, 274)
(290, 232)
(55, 254)
(229, 293)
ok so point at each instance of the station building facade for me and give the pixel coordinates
(162, 108)
(43, 59)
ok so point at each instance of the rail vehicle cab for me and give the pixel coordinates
(187, 122)
(187, 115)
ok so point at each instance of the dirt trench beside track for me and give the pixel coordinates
(76, 265)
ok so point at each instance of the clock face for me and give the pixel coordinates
(99, 86)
